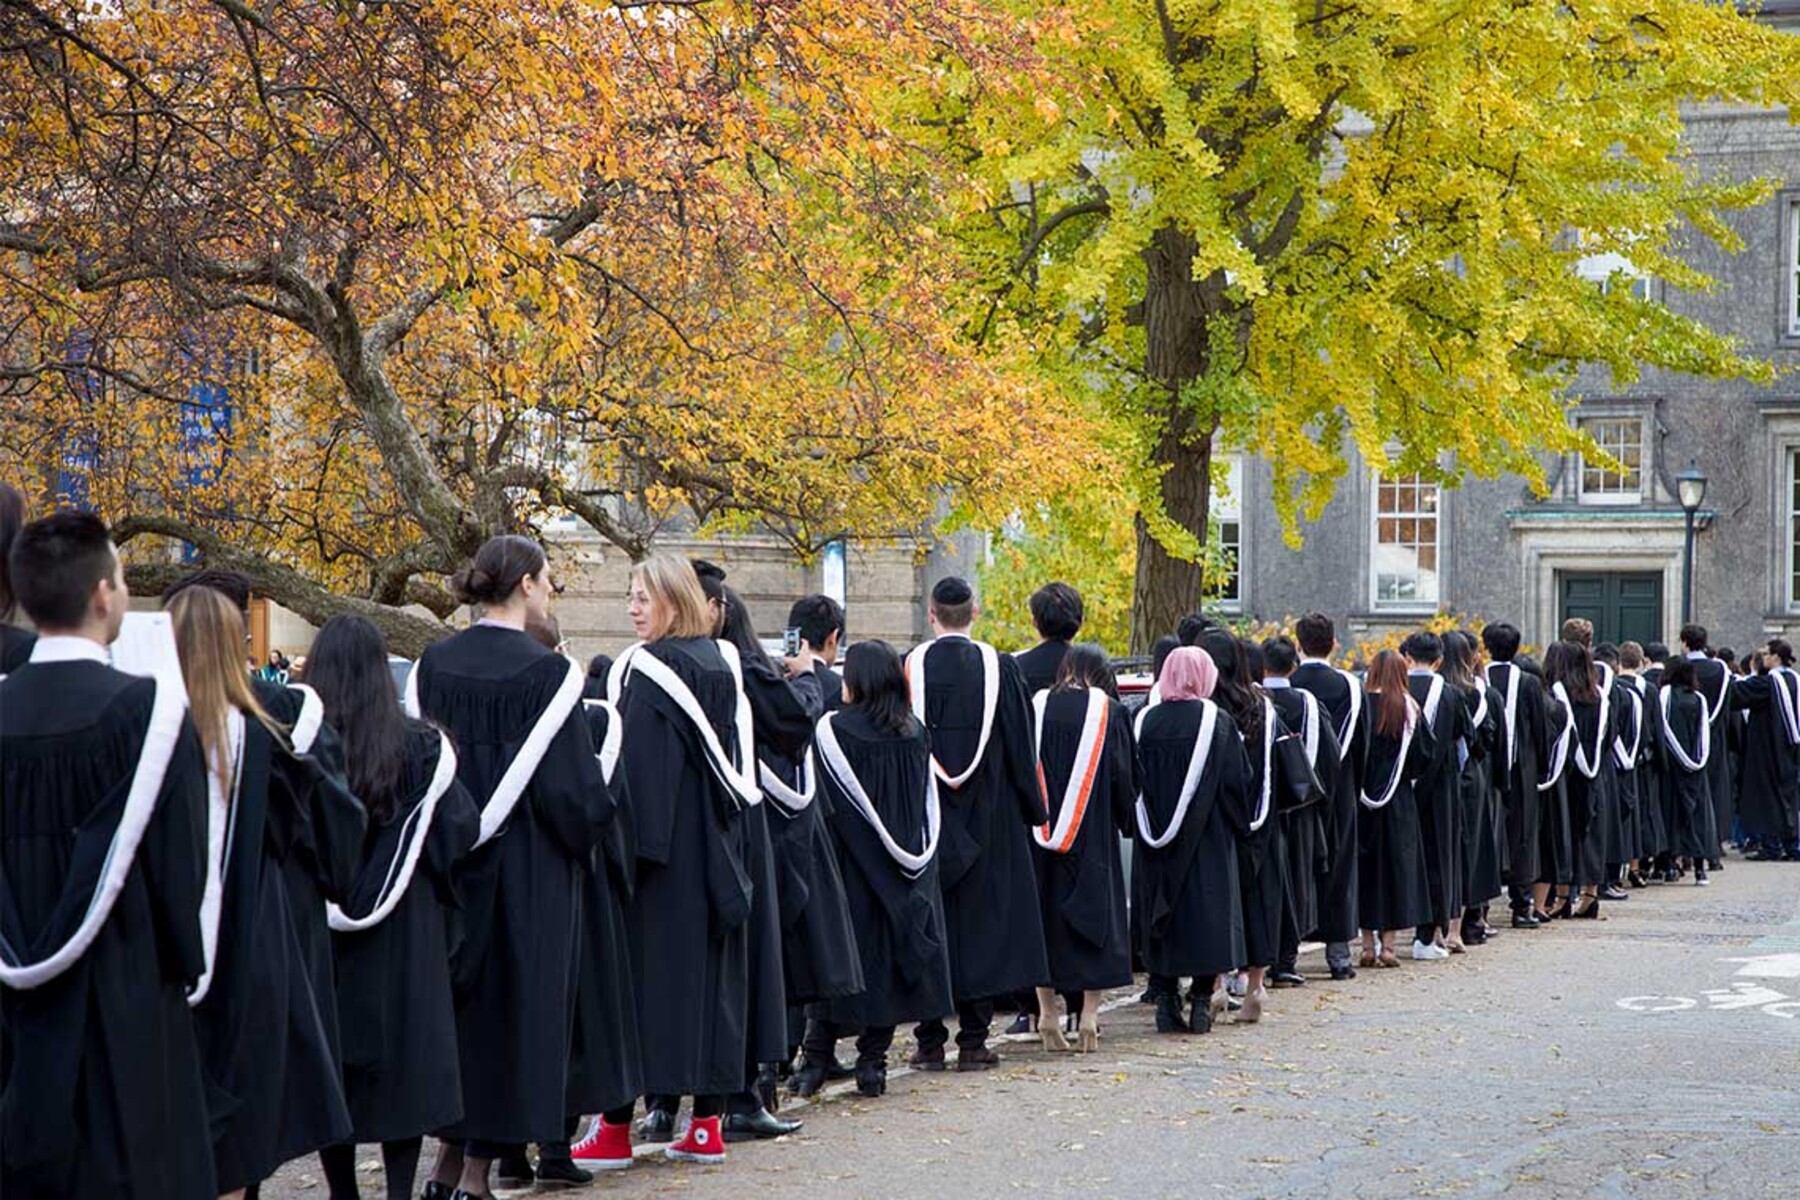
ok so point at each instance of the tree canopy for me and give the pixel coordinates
(1305, 226)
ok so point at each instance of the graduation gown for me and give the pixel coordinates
(901, 942)
(1522, 748)
(606, 1067)
(326, 857)
(1484, 833)
(1556, 845)
(1304, 834)
(1340, 693)
(831, 685)
(516, 966)
(1659, 819)
(1262, 854)
(1629, 722)
(101, 1092)
(1590, 790)
(1040, 665)
(394, 996)
(1692, 833)
(1439, 800)
(1081, 885)
(1715, 686)
(1395, 890)
(689, 923)
(274, 1083)
(1187, 890)
(1769, 766)
(15, 647)
(984, 857)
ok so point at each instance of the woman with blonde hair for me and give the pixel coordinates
(688, 760)
(273, 1082)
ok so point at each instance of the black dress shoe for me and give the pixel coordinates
(554, 1174)
(1020, 1024)
(835, 1070)
(435, 1191)
(741, 1127)
(1169, 1018)
(514, 1170)
(871, 1079)
(1525, 920)
(1344, 972)
(1287, 979)
(1714, 865)
(1613, 892)
(927, 1060)
(809, 1080)
(1474, 935)
(656, 1126)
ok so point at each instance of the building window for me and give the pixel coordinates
(1623, 439)
(1793, 529)
(1610, 270)
(1227, 506)
(1405, 557)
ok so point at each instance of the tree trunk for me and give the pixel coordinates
(1167, 588)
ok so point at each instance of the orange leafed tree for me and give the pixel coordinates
(460, 266)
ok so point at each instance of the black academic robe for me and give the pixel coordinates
(1262, 855)
(1337, 917)
(517, 964)
(1522, 742)
(984, 857)
(1082, 891)
(402, 1076)
(1395, 889)
(606, 1066)
(1715, 684)
(15, 647)
(899, 919)
(326, 857)
(1692, 833)
(1439, 799)
(1769, 766)
(275, 1086)
(1305, 837)
(1557, 847)
(101, 1091)
(1592, 798)
(689, 922)
(1484, 831)
(1188, 892)
(818, 940)
(831, 685)
(1628, 724)
(1658, 819)
(1040, 664)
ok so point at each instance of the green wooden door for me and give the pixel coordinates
(1624, 606)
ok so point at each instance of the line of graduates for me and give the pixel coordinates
(243, 922)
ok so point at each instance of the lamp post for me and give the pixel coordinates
(1690, 488)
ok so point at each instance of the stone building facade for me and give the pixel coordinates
(1388, 552)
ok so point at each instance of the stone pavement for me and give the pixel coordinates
(1652, 1054)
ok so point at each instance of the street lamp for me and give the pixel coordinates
(1690, 489)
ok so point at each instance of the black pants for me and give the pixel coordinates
(704, 1106)
(973, 1018)
(1201, 989)
(559, 1151)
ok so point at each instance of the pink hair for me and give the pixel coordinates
(1189, 674)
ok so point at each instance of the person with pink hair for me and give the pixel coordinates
(1194, 804)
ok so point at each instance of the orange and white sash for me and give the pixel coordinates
(990, 702)
(1089, 753)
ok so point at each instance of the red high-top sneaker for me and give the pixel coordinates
(605, 1148)
(702, 1143)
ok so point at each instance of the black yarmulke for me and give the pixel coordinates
(951, 591)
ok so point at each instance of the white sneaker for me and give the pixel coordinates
(1426, 952)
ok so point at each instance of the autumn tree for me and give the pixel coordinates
(460, 266)
(1301, 226)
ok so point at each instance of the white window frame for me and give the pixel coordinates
(1604, 497)
(1225, 507)
(1415, 604)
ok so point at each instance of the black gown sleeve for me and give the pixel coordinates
(1121, 757)
(1236, 799)
(1013, 725)
(783, 712)
(568, 790)
(328, 822)
(173, 858)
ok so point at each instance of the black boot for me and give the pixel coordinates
(766, 1088)
(809, 1080)
(1168, 1015)
(871, 1079)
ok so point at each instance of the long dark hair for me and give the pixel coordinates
(1679, 672)
(348, 667)
(1570, 664)
(1234, 692)
(1159, 653)
(12, 519)
(1388, 694)
(1458, 664)
(1086, 666)
(876, 683)
(738, 629)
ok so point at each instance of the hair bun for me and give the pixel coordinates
(475, 585)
